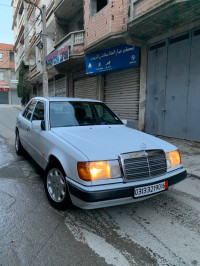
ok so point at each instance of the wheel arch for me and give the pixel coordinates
(53, 158)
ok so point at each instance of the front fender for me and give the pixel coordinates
(68, 156)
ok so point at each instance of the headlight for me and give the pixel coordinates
(100, 170)
(173, 158)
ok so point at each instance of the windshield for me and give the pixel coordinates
(66, 114)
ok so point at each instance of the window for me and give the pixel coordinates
(34, 90)
(39, 111)
(29, 110)
(1, 75)
(1, 56)
(11, 57)
(96, 6)
(101, 4)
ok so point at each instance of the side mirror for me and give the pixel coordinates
(36, 124)
(43, 127)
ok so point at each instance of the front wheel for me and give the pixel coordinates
(56, 186)
(18, 146)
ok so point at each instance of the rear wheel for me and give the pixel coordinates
(56, 186)
(18, 146)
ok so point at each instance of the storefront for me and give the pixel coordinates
(4, 92)
(14, 97)
(4, 97)
(173, 91)
(60, 86)
(120, 68)
(121, 92)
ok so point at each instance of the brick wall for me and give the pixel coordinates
(78, 49)
(112, 18)
(5, 51)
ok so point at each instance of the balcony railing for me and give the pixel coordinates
(21, 51)
(50, 8)
(72, 39)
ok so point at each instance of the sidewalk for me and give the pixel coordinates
(190, 154)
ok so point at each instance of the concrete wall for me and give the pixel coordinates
(73, 24)
(143, 6)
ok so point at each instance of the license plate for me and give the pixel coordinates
(150, 189)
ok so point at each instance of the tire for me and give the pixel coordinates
(56, 186)
(18, 146)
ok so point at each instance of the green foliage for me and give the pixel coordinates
(23, 87)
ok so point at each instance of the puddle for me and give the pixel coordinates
(6, 157)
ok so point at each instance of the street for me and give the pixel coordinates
(163, 230)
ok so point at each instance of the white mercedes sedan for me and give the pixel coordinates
(90, 158)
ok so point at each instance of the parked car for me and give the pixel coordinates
(90, 158)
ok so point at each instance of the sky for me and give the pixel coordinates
(6, 18)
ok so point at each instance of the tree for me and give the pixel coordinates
(24, 86)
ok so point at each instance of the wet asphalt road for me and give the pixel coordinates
(164, 230)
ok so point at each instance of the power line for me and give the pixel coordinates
(10, 6)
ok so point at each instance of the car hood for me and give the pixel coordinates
(108, 142)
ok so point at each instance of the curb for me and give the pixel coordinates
(195, 176)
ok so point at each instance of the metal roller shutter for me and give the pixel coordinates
(51, 89)
(3, 97)
(14, 97)
(86, 88)
(61, 87)
(122, 92)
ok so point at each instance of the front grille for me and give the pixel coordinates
(143, 164)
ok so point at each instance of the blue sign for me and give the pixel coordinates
(119, 57)
(57, 57)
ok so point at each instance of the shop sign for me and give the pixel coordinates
(4, 86)
(119, 57)
(57, 57)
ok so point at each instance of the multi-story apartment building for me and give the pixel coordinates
(8, 82)
(141, 57)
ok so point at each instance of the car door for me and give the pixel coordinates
(24, 123)
(35, 137)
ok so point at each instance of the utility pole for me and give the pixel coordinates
(44, 47)
(44, 53)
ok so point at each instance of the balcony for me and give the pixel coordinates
(19, 56)
(106, 26)
(75, 42)
(67, 9)
(31, 44)
(148, 19)
(50, 9)
(21, 51)
(34, 73)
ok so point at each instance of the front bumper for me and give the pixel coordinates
(99, 197)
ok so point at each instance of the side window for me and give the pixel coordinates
(29, 110)
(39, 111)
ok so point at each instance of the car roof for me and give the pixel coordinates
(65, 99)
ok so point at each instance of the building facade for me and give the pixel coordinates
(140, 57)
(8, 82)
